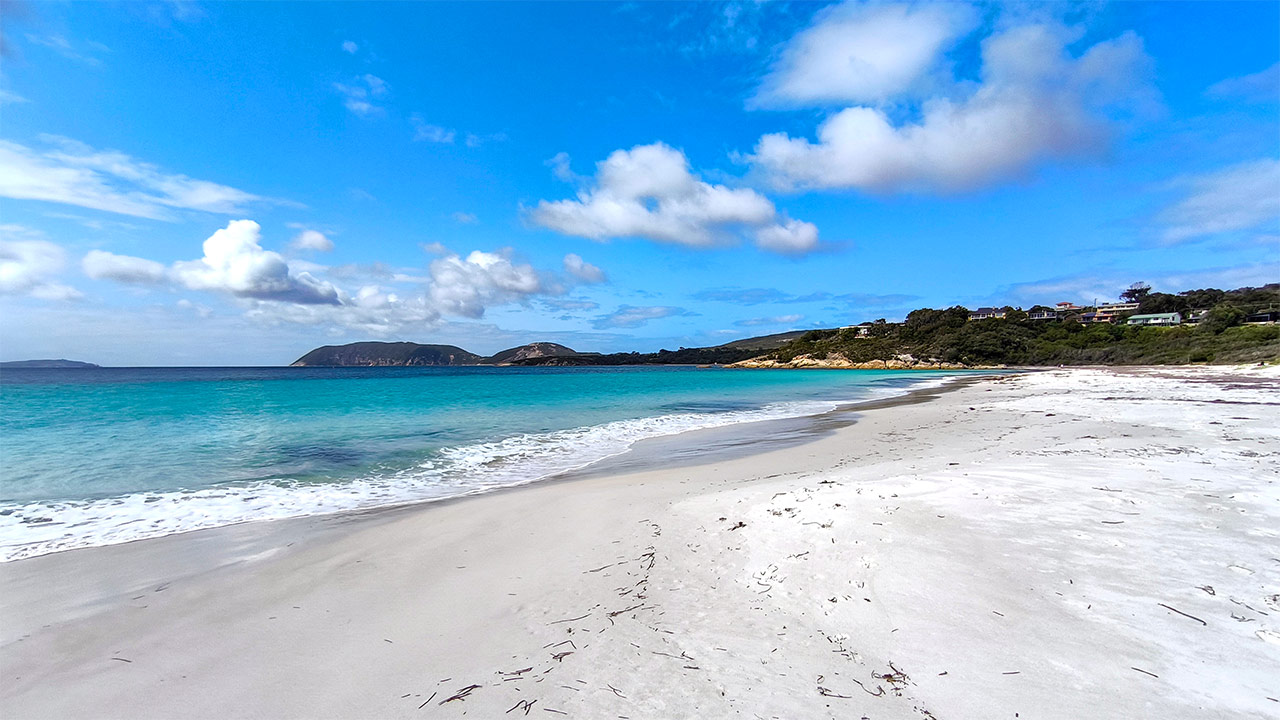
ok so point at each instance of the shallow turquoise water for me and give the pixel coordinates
(95, 456)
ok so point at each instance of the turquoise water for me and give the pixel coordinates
(90, 457)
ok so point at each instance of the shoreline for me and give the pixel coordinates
(948, 556)
(637, 456)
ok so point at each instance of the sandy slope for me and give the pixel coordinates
(1070, 544)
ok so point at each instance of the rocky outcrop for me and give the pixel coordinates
(837, 361)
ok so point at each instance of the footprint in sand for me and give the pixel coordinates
(1273, 601)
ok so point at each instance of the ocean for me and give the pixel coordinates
(100, 456)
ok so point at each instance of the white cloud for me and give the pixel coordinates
(103, 265)
(29, 264)
(11, 98)
(1240, 197)
(312, 240)
(466, 287)
(358, 95)
(1262, 86)
(464, 218)
(628, 316)
(648, 191)
(387, 299)
(560, 167)
(583, 270)
(349, 47)
(235, 263)
(863, 53)
(1034, 101)
(76, 174)
(426, 132)
(790, 236)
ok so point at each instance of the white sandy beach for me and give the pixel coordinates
(1067, 544)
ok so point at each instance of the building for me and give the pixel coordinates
(986, 313)
(1267, 317)
(1108, 313)
(1066, 307)
(1157, 319)
(1042, 315)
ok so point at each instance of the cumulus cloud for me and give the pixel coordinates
(627, 316)
(75, 174)
(103, 265)
(465, 218)
(1034, 101)
(582, 270)
(312, 240)
(863, 53)
(1240, 197)
(649, 191)
(467, 286)
(776, 320)
(383, 299)
(360, 94)
(235, 263)
(29, 265)
(349, 47)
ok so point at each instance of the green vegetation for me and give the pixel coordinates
(949, 336)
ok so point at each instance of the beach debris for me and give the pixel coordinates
(461, 694)
(526, 704)
(1144, 672)
(616, 691)
(738, 526)
(560, 656)
(424, 702)
(580, 617)
(558, 712)
(824, 692)
(1193, 617)
(127, 660)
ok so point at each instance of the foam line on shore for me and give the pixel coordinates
(38, 528)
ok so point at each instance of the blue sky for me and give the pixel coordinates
(236, 183)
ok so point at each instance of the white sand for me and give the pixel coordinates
(1021, 547)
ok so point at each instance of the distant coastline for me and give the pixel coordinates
(45, 364)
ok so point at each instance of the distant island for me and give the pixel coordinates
(407, 354)
(1145, 328)
(29, 364)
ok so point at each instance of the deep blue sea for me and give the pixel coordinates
(99, 456)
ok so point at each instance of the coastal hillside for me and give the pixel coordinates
(1222, 333)
(529, 352)
(367, 354)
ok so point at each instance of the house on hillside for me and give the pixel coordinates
(1266, 317)
(1157, 319)
(1068, 307)
(1042, 315)
(986, 313)
(1108, 313)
